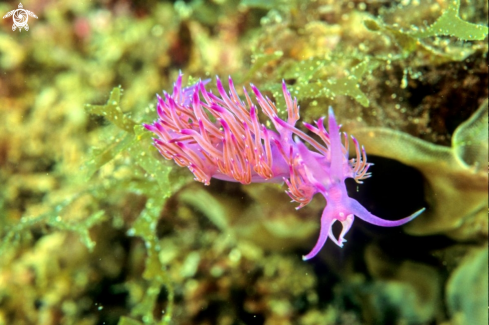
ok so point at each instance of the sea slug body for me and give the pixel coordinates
(220, 137)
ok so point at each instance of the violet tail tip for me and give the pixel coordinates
(417, 213)
(330, 110)
(308, 256)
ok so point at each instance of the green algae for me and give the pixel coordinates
(136, 142)
(448, 24)
(154, 273)
(313, 80)
(273, 4)
(103, 156)
(56, 219)
(259, 61)
(112, 111)
(315, 76)
(128, 321)
(156, 185)
(154, 182)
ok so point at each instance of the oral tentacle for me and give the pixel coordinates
(325, 231)
(346, 224)
(358, 210)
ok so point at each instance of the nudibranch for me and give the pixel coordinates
(220, 136)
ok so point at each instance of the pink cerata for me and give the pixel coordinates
(220, 137)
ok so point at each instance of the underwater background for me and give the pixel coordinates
(97, 228)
